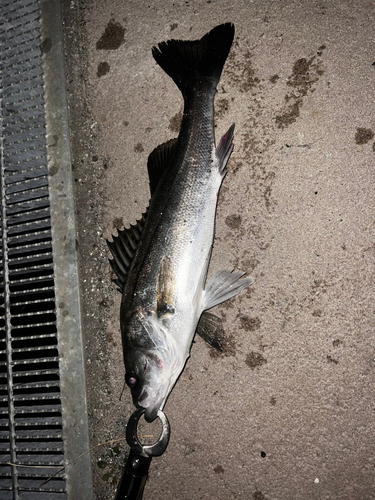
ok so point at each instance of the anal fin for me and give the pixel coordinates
(224, 149)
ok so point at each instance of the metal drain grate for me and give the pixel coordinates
(34, 433)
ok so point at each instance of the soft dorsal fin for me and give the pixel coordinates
(158, 162)
(123, 248)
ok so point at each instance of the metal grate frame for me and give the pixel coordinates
(43, 419)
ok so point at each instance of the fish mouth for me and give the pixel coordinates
(151, 410)
(150, 405)
(151, 413)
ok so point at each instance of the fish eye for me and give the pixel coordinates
(131, 380)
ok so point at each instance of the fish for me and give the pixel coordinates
(161, 262)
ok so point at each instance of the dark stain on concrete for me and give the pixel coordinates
(289, 115)
(249, 324)
(103, 69)
(363, 135)
(111, 338)
(175, 122)
(118, 223)
(221, 107)
(320, 284)
(330, 359)
(233, 221)
(249, 264)
(305, 73)
(258, 495)
(189, 448)
(219, 469)
(241, 76)
(138, 148)
(255, 359)
(254, 140)
(317, 313)
(46, 45)
(228, 347)
(228, 304)
(274, 78)
(300, 72)
(320, 50)
(174, 26)
(112, 37)
(337, 343)
(267, 192)
(273, 400)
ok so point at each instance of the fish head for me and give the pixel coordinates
(147, 378)
(152, 363)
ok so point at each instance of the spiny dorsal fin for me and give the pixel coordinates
(165, 288)
(123, 248)
(158, 162)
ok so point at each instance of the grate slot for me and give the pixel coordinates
(26, 125)
(40, 193)
(33, 173)
(10, 82)
(28, 262)
(21, 298)
(18, 241)
(19, 167)
(28, 212)
(39, 330)
(29, 250)
(30, 227)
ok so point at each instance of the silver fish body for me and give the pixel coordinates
(163, 280)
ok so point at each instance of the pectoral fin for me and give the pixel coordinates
(224, 285)
(165, 288)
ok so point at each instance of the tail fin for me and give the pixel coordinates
(188, 61)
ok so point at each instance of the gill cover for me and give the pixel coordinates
(151, 371)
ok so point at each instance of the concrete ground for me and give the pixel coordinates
(286, 412)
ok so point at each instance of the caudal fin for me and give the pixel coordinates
(187, 62)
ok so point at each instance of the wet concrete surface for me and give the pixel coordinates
(286, 411)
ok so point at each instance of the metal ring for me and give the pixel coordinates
(153, 450)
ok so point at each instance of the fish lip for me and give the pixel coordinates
(151, 408)
(151, 413)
